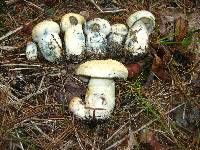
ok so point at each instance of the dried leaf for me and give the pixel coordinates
(150, 138)
(181, 28)
(133, 69)
(159, 69)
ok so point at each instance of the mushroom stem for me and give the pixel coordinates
(137, 39)
(99, 100)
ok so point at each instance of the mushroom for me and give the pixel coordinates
(145, 16)
(31, 51)
(137, 39)
(118, 33)
(96, 31)
(141, 24)
(74, 38)
(46, 34)
(100, 96)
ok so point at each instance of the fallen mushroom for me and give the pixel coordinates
(100, 96)
(46, 34)
(74, 38)
(96, 31)
(141, 24)
(31, 51)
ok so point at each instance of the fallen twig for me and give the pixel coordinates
(24, 65)
(8, 48)
(106, 11)
(34, 5)
(34, 94)
(40, 130)
(79, 140)
(16, 30)
(135, 115)
(117, 143)
(21, 145)
(11, 2)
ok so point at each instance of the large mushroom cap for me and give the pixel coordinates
(145, 16)
(103, 69)
(99, 25)
(71, 19)
(44, 27)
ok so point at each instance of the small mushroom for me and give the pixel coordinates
(100, 96)
(118, 33)
(31, 51)
(46, 34)
(96, 31)
(141, 24)
(74, 38)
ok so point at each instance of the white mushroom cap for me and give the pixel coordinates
(118, 34)
(96, 42)
(98, 25)
(119, 28)
(103, 69)
(44, 27)
(145, 16)
(71, 19)
(137, 39)
(51, 46)
(31, 51)
(74, 40)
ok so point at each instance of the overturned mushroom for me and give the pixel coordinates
(141, 24)
(96, 31)
(100, 96)
(74, 38)
(46, 34)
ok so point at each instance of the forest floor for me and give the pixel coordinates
(157, 109)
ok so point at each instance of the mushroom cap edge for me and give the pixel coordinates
(141, 15)
(103, 69)
(45, 26)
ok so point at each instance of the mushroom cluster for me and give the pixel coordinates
(92, 38)
(84, 39)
